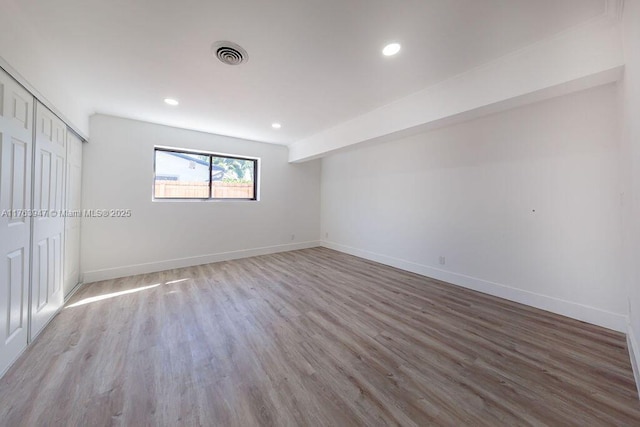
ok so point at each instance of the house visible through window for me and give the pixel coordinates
(191, 175)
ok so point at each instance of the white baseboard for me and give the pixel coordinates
(75, 289)
(152, 267)
(606, 319)
(634, 355)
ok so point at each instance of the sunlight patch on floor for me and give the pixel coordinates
(111, 295)
(175, 281)
(120, 293)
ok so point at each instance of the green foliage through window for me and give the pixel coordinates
(235, 170)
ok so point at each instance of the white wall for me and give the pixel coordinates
(118, 174)
(630, 97)
(469, 192)
(22, 52)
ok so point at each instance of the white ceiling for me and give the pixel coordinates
(312, 65)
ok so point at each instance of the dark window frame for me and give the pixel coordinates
(210, 155)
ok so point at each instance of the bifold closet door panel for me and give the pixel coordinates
(16, 150)
(72, 222)
(47, 292)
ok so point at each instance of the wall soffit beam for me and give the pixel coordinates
(590, 49)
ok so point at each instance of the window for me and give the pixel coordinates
(194, 175)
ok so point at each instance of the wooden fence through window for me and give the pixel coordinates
(200, 190)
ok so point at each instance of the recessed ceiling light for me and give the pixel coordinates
(276, 125)
(171, 101)
(391, 49)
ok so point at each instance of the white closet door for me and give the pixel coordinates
(47, 293)
(72, 222)
(16, 149)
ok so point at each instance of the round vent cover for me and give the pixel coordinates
(229, 53)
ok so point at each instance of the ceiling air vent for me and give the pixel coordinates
(229, 53)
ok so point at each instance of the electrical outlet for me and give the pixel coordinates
(293, 237)
(442, 260)
(326, 235)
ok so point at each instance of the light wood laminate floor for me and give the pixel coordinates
(313, 337)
